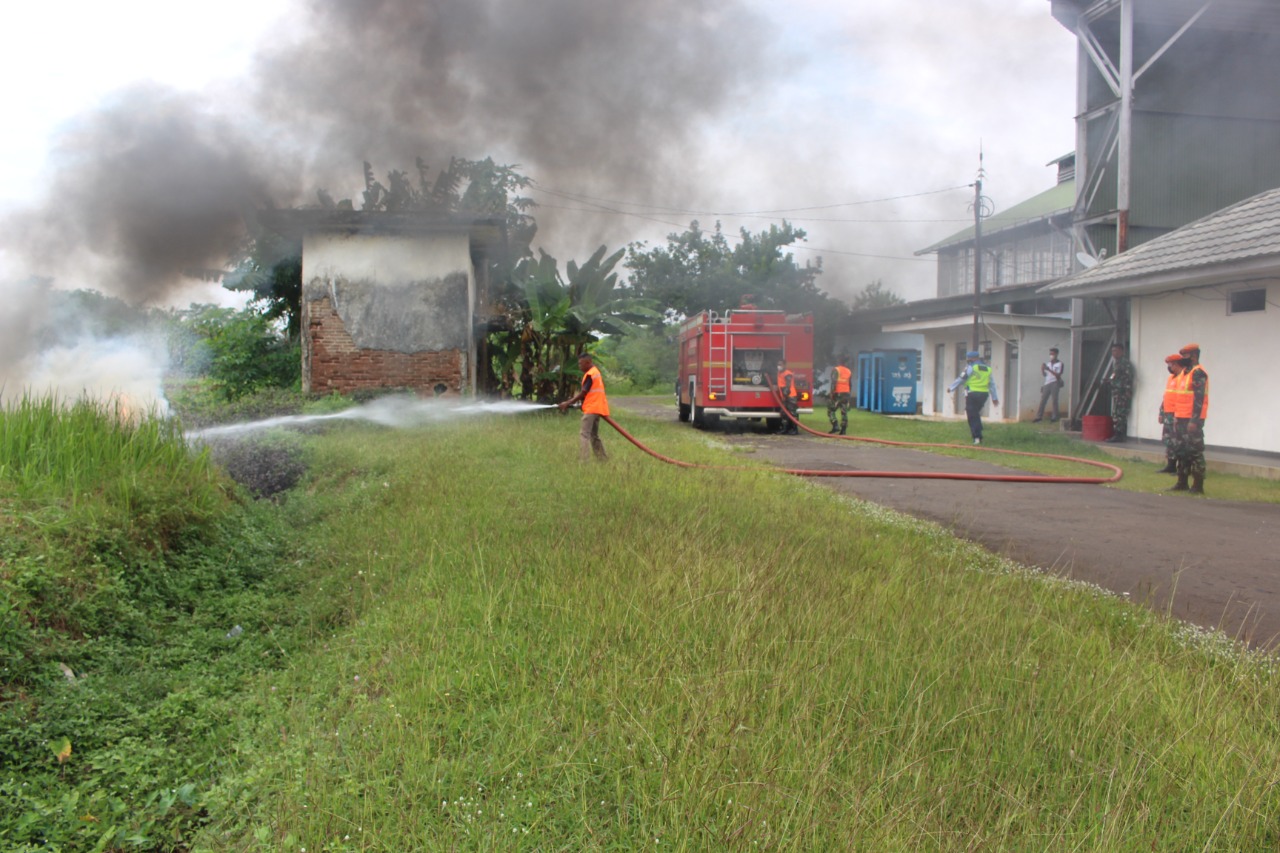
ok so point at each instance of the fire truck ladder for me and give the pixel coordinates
(719, 368)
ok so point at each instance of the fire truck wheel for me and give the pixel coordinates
(699, 420)
(682, 412)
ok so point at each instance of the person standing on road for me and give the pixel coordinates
(595, 405)
(838, 395)
(1190, 411)
(790, 402)
(1168, 435)
(1120, 382)
(1051, 371)
(976, 378)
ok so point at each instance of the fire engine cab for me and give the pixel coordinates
(728, 362)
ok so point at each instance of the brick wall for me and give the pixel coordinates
(332, 361)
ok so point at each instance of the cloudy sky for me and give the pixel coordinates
(138, 131)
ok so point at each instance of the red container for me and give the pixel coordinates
(1096, 427)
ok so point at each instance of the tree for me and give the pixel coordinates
(560, 319)
(271, 273)
(876, 295)
(697, 271)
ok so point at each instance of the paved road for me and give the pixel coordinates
(1213, 563)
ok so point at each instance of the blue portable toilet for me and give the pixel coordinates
(896, 381)
(866, 380)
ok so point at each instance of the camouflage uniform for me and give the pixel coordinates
(1121, 384)
(1169, 436)
(1168, 429)
(1190, 431)
(839, 401)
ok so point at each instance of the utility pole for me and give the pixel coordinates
(978, 213)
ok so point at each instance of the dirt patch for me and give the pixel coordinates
(1212, 563)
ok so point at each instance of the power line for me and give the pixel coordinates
(589, 199)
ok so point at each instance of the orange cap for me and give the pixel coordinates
(1190, 348)
(1170, 359)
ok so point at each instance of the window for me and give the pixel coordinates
(1243, 301)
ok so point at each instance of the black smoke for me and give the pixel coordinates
(604, 96)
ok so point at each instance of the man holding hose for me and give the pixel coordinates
(594, 407)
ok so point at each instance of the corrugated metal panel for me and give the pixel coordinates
(1186, 167)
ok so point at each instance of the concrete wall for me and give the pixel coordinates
(1016, 353)
(388, 311)
(1239, 351)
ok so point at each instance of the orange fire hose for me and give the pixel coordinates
(1116, 474)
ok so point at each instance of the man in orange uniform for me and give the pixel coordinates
(595, 405)
(1191, 409)
(1176, 364)
(790, 403)
(838, 395)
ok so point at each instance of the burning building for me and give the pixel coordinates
(392, 300)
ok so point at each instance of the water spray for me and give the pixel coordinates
(397, 412)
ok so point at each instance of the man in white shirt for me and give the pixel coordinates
(1051, 370)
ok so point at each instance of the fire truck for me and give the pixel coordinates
(728, 363)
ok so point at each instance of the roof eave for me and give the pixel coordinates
(1173, 279)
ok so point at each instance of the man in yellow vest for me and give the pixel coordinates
(1176, 364)
(838, 394)
(978, 386)
(1191, 409)
(595, 405)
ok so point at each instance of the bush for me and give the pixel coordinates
(241, 351)
(136, 594)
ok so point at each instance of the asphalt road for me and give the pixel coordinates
(1212, 563)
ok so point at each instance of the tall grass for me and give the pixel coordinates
(91, 455)
(546, 655)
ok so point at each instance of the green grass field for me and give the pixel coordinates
(545, 655)
(473, 642)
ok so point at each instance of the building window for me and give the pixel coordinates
(1244, 301)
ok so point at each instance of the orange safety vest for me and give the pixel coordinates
(595, 403)
(843, 375)
(1186, 397)
(787, 384)
(1170, 401)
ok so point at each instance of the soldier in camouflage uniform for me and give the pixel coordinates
(1189, 423)
(1120, 383)
(1176, 364)
(839, 394)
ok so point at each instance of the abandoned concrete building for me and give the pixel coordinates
(392, 300)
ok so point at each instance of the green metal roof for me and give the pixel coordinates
(1060, 200)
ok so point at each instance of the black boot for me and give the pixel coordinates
(1169, 468)
(843, 428)
(1181, 485)
(834, 429)
(1197, 485)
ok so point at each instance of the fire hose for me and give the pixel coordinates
(1116, 472)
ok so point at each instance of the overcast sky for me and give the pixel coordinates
(861, 120)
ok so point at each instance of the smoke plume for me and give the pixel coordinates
(600, 94)
(606, 96)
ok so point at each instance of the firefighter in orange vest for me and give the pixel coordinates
(790, 399)
(595, 405)
(841, 382)
(1191, 408)
(1176, 365)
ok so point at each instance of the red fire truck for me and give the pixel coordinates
(728, 362)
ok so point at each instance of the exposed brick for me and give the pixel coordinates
(335, 363)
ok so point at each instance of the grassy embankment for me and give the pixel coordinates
(137, 592)
(551, 656)
(492, 647)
